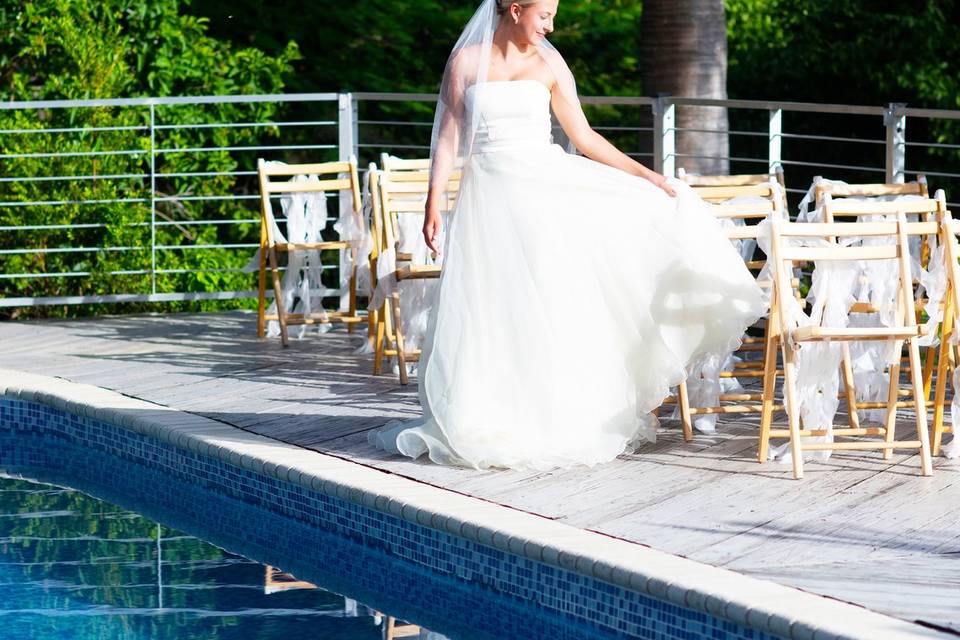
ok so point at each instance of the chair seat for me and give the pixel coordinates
(813, 334)
(418, 271)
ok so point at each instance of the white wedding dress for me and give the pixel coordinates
(573, 296)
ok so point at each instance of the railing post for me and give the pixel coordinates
(347, 149)
(347, 126)
(775, 140)
(664, 136)
(153, 202)
(895, 120)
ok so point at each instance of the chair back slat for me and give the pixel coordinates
(310, 187)
(848, 207)
(392, 163)
(316, 168)
(811, 254)
(716, 194)
(750, 211)
(737, 180)
(854, 229)
(869, 190)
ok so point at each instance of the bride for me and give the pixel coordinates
(575, 290)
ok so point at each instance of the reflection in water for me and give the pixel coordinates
(73, 566)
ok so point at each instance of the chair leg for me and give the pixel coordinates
(398, 334)
(793, 410)
(920, 409)
(353, 297)
(766, 412)
(849, 388)
(278, 293)
(683, 399)
(929, 365)
(262, 291)
(944, 371)
(770, 347)
(890, 426)
(379, 341)
(372, 322)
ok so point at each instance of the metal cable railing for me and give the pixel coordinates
(155, 200)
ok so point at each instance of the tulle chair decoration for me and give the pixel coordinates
(297, 300)
(808, 341)
(865, 379)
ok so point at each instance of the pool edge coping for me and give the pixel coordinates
(752, 602)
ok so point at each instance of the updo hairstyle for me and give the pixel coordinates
(503, 5)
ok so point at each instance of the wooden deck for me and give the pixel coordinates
(856, 528)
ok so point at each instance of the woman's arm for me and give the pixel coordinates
(447, 145)
(595, 146)
(442, 165)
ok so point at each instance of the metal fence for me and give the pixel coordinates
(155, 200)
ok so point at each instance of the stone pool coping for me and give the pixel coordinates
(756, 604)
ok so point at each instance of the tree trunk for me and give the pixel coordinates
(684, 54)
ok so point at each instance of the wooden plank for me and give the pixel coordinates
(305, 169)
(852, 529)
(846, 206)
(310, 186)
(882, 252)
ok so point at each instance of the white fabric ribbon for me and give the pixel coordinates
(301, 285)
(877, 285)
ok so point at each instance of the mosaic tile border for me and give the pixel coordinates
(619, 586)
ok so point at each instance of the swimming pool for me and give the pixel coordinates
(413, 570)
(74, 566)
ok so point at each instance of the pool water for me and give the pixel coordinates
(72, 566)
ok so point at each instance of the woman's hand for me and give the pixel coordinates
(432, 225)
(661, 181)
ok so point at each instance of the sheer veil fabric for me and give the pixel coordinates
(454, 127)
(573, 294)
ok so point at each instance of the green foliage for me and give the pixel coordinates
(845, 51)
(66, 49)
(400, 45)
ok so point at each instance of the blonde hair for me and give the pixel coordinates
(503, 5)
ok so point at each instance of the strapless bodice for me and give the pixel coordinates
(514, 113)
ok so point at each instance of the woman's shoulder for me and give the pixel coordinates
(466, 59)
(556, 67)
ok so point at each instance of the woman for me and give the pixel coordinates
(575, 290)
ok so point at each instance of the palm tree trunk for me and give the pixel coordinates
(684, 54)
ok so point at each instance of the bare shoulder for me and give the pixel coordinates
(464, 61)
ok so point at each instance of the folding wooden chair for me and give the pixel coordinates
(949, 353)
(927, 210)
(333, 177)
(786, 333)
(402, 187)
(748, 214)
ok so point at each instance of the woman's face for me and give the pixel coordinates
(535, 21)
